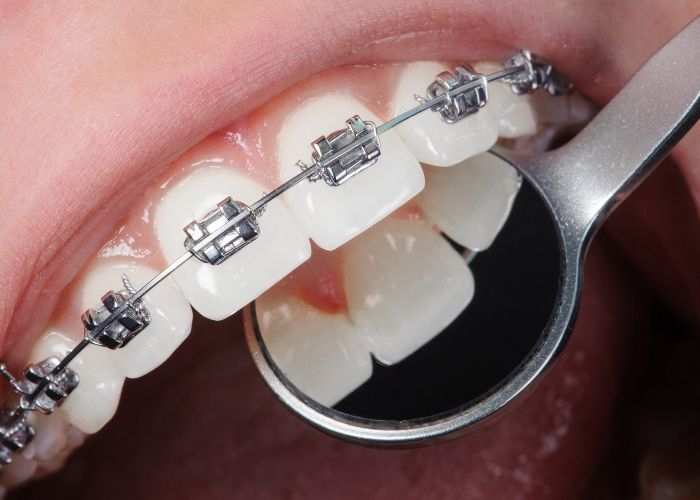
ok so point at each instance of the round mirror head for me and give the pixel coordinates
(409, 371)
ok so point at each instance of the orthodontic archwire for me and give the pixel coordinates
(232, 225)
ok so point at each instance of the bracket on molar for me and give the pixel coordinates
(457, 106)
(56, 386)
(15, 434)
(122, 329)
(538, 73)
(355, 160)
(229, 242)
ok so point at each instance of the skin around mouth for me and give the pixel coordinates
(124, 118)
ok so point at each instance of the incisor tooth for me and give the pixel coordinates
(404, 285)
(323, 355)
(334, 215)
(471, 201)
(171, 315)
(430, 139)
(93, 403)
(219, 291)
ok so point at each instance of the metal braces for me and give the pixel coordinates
(232, 225)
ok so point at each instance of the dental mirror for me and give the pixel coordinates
(528, 282)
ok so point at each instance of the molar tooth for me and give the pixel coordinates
(430, 139)
(471, 201)
(404, 285)
(93, 403)
(334, 215)
(171, 315)
(219, 291)
(322, 354)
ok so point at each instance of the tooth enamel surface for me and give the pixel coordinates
(430, 139)
(404, 285)
(93, 403)
(514, 113)
(171, 315)
(323, 355)
(471, 201)
(334, 215)
(219, 291)
(54, 441)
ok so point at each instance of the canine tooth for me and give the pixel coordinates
(171, 315)
(430, 139)
(471, 201)
(323, 355)
(219, 291)
(334, 215)
(404, 285)
(93, 403)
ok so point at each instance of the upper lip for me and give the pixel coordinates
(180, 105)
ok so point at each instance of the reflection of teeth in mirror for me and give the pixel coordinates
(404, 285)
(322, 354)
(219, 291)
(334, 215)
(471, 201)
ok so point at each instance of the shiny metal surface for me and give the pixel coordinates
(582, 183)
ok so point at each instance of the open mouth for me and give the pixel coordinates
(126, 216)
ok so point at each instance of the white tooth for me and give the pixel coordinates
(430, 139)
(404, 285)
(514, 113)
(561, 110)
(471, 201)
(219, 291)
(333, 215)
(93, 403)
(51, 438)
(171, 315)
(323, 355)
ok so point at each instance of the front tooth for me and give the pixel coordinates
(429, 138)
(404, 285)
(93, 403)
(334, 215)
(171, 315)
(515, 115)
(471, 201)
(219, 291)
(323, 355)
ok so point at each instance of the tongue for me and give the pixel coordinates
(205, 426)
